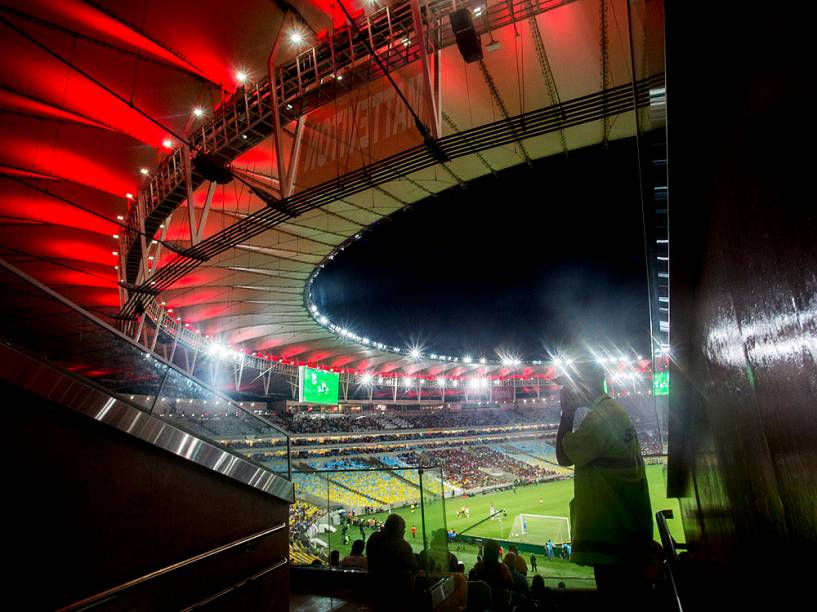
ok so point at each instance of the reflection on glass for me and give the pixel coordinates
(191, 406)
(347, 500)
(87, 347)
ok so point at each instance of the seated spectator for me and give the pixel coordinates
(334, 558)
(437, 558)
(392, 563)
(520, 583)
(387, 550)
(521, 566)
(356, 558)
(496, 574)
(537, 589)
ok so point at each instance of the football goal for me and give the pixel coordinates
(538, 529)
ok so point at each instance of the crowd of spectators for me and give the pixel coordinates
(331, 423)
(420, 435)
(460, 468)
(429, 443)
(523, 471)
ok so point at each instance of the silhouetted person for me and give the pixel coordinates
(490, 569)
(334, 558)
(356, 558)
(537, 589)
(611, 520)
(520, 583)
(392, 564)
(520, 565)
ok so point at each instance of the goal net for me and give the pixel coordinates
(538, 529)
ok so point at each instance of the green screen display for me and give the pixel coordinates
(660, 383)
(317, 386)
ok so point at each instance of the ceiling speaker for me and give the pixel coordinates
(467, 37)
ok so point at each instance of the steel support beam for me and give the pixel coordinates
(175, 342)
(239, 374)
(266, 379)
(275, 103)
(139, 327)
(428, 88)
(158, 330)
(193, 363)
(197, 229)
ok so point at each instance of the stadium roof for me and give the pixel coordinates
(116, 115)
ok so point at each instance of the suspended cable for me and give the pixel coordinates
(53, 260)
(121, 224)
(425, 133)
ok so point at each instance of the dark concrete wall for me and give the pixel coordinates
(91, 507)
(743, 236)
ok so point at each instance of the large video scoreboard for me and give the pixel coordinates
(317, 386)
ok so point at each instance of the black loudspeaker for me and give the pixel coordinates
(467, 37)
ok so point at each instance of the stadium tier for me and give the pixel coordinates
(440, 419)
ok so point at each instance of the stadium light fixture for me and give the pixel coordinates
(198, 112)
(296, 37)
(241, 76)
(144, 171)
(367, 379)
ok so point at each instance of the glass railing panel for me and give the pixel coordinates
(208, 415)
(446, 511)
(435, 531)
(38, 321)
(336, 506)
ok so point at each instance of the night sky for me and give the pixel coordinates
(538, 261)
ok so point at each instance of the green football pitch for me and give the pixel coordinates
(555, 499)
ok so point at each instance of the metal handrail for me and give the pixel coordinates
(237, 585)
(170, 568)
(671, 555)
